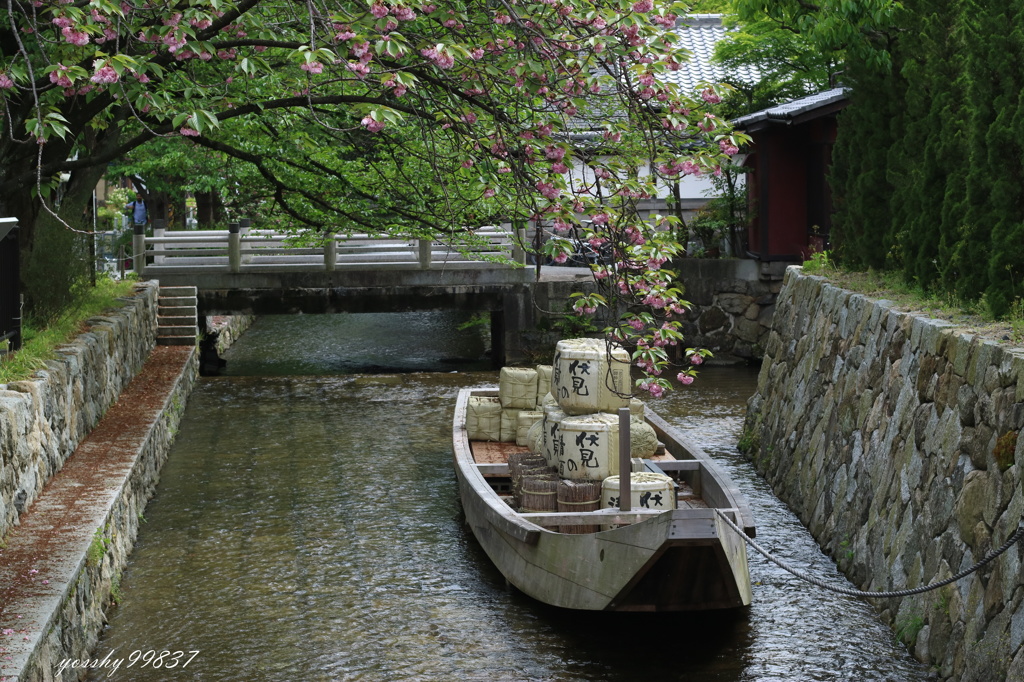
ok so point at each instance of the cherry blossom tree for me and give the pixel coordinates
(411, 118)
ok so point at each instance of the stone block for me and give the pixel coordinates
(713, 319)
(747, 330)
(734, 303)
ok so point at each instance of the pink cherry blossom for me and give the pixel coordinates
(709, 96)
(105, 74)
(59, 76)
(643, 6)
(404, 13)
(189, 132)
(654, 389)
(5, 82)
(667, 21)
(554, 152)
(358, 68)
(312, 67)
(75, 37)
(685, 379)
(371, 124)
(547, 189)
(397, 89)
(441, 59)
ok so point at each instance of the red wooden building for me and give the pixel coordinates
(791, 206)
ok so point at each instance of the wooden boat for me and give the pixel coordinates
(685, 559)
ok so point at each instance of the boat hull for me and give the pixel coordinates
(679, 560)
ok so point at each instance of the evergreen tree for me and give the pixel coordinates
(989, 72)
(861, 189)
(1005, 157)
(926, 162)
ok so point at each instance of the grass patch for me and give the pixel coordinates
(40, 341)
(98, 547)
(908, 629)
(1006, 446)
(973, 316)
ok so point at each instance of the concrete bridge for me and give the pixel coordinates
(242, 271)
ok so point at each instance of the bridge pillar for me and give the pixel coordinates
(508, 325)
(330, 252)
(424, 253)
(234, 248)
(159, 228)
(139, 250)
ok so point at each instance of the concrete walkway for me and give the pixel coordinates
(59, 566)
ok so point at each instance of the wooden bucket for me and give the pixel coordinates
(539, 493)
(579, 496)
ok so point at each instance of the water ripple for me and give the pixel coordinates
(308, 528)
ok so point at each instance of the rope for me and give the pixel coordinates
(874, 595)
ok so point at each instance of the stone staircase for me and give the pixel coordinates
(176, 316)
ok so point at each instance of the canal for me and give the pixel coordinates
(307, 527)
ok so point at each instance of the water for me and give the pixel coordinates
(307, 527)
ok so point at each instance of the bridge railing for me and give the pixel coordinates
(244, 250)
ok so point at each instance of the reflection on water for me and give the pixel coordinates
(308, 528)
(362, 343)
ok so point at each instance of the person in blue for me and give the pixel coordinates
(138, 209)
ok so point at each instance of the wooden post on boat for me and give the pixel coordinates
(625, 462)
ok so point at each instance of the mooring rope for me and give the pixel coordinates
(873, 595)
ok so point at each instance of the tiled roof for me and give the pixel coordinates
(699, 33)
(788, 112)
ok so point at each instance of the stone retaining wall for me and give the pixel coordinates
(733, 301)
(43, 420)
(894, 438)
(228, 328)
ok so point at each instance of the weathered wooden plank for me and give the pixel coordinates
(600, 516)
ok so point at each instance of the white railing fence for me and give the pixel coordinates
(241, 249)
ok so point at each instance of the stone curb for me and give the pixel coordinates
(62, 563)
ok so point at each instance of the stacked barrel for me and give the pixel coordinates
(575, 429)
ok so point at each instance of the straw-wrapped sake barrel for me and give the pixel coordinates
(648, 490)
(588, 446)
(587, 376)
(552, 438)
(525, 421)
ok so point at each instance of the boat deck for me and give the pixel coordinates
(497, 453)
